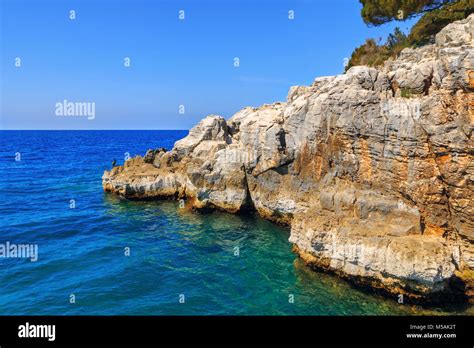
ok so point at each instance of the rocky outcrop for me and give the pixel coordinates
(373, 170)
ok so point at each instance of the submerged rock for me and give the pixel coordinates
(373, 170)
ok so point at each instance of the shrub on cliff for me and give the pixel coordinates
(372, 54)
(435, 15)
(432, 22)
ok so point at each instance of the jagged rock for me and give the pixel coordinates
(153, 156)
(373, 170)
(211, 129)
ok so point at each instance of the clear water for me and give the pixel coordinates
(173, 252)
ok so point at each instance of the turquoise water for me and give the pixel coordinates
(173, 251)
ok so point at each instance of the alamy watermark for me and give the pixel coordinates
(21, 251)
(68, 108)
(404, 108)
(28, 330)
(235, 156)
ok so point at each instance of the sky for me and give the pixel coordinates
(180, 70)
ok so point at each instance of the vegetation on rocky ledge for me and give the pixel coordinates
(435, 15)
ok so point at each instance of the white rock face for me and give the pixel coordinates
(373, 170)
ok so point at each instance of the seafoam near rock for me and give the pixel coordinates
(373, 170)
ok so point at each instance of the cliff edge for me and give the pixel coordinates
(373, 170)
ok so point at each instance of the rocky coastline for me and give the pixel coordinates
(372, 170)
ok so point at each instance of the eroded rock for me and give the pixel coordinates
(373, 170)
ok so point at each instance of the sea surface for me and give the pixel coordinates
(102, 255)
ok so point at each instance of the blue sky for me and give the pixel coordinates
(174, 62)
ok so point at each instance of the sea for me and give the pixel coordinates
(98, 254)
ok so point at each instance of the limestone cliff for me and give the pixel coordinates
(373, 170)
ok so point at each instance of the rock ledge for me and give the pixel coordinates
(373, 170)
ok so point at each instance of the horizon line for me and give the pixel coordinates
(74, 130)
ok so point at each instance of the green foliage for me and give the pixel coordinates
(372, 54)
(406, 92)
(396, 38)
(432, 22)
(368, 54)
(377, 12)
(437, 14)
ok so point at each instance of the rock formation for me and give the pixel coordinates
(373, 170)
